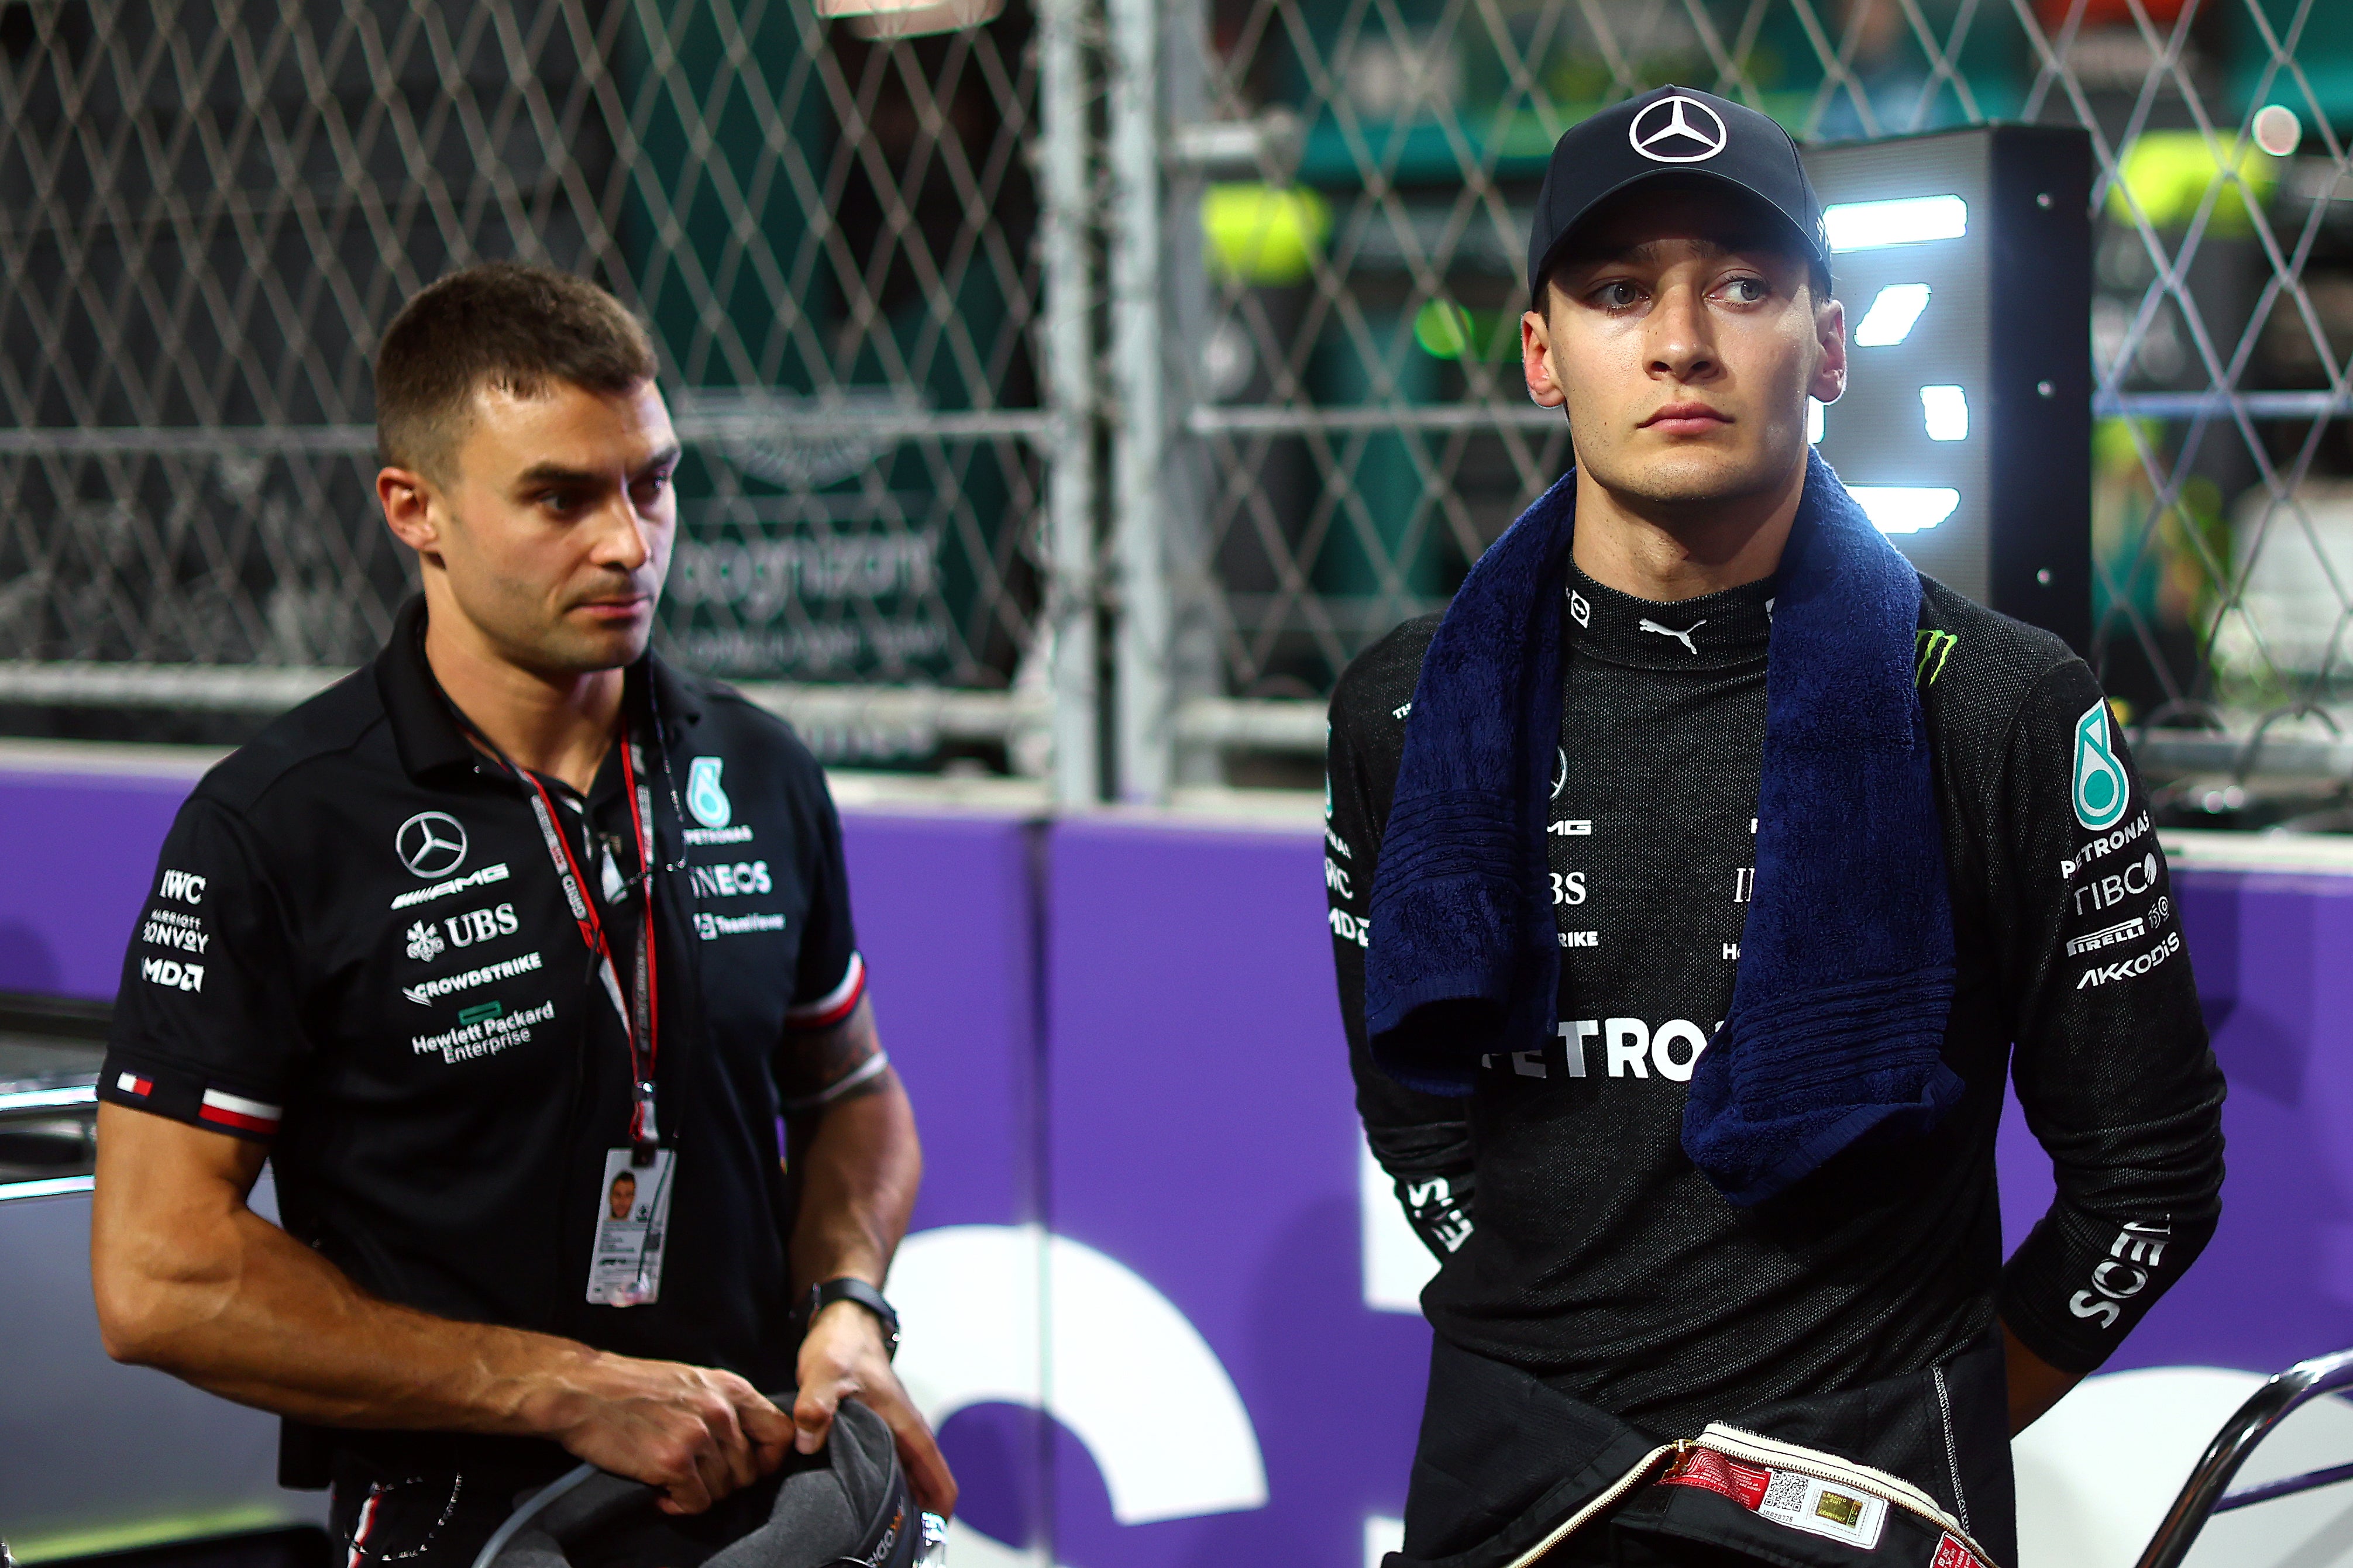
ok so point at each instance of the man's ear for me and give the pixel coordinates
(410, 510)
(1829, 336)
(1535, 355)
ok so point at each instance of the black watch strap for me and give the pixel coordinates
(849, 1289)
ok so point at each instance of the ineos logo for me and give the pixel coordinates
(1666, 132)
(430, 844)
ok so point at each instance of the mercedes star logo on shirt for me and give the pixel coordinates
(1666, 132)
(431, 844)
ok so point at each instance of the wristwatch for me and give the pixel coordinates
(848, 1289)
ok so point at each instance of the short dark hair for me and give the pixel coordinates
(506, 325)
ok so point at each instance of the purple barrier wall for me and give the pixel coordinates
(1203, 1132)
(1177, 1111)
(74, 885)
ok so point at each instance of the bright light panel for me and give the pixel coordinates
(1911, 220)
(1904, 508)
(1889, 320)
(1947, 411)
(1813, 421)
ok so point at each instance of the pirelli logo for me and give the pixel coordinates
(2132, 929)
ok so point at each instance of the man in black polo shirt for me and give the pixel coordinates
(1699, 827)
(508, 952)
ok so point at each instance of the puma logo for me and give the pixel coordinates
(1683, 637)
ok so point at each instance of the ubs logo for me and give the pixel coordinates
(430, 844)
(1678, 130)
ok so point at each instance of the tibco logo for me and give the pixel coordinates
(2106, 892)
(170, 973)
(185, 886)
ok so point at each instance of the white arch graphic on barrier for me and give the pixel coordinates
(1122, 1368)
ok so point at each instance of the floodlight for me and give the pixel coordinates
(1889, 320)
(1907, 220)
(1964, 261)
(1906, 509)
(1945, 412)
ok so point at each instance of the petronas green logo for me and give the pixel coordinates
(2099, 778)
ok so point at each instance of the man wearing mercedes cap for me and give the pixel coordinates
(1705, 871)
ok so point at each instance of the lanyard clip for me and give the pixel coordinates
(643, 1132)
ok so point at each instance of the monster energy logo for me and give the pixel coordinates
(2100, 790)
(1930, 651)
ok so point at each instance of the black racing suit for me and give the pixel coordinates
(1581, 1247)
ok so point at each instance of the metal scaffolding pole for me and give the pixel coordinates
(1070, 619)
(1145, 725)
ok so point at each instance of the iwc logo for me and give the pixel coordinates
(1678, 130)
(2100, 793)
(430, 844)
(704, 798)
(425, 944)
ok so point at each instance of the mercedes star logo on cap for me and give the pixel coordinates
(431, 844)
(1667, 132)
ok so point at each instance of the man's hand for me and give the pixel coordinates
(697, 1433)
(189, 1280)
(843, 1357)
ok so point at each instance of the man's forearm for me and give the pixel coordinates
(291, 1335)
(860, 1169)
(191, 1282)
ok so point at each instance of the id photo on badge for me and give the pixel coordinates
(632, 1217)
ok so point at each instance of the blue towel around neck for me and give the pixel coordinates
(1845, 975)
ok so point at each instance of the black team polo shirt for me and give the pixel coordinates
(357, 952)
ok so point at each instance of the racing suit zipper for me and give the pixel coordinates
(1609, 1498)
(1734, 1443)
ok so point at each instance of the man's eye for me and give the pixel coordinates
(1746, 291)
(1617, 296)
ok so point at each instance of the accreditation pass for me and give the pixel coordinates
(632, 1222)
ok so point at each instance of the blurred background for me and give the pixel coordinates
(1073, 386)
(1070, 388)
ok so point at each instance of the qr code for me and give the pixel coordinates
(1786, 1492)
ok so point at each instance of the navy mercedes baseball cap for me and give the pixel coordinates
(1674, 133)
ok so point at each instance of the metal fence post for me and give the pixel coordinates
(1070, 456)
(1145, 722)
(1191, 655)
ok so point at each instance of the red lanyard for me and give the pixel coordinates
(639, 1021)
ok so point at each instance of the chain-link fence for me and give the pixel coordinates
(1191, 323)
(208, 213)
